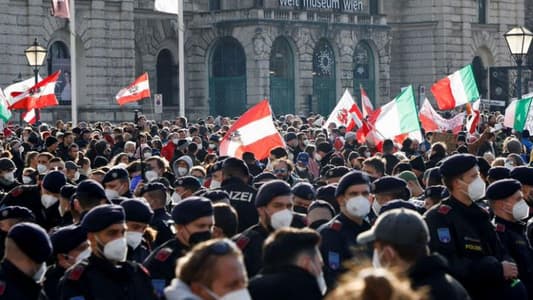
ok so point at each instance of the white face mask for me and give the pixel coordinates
(48, 200)
(200, 146)
(151, 175)
(215, 184)
(175, 141)
(376, 207)
(41, 168)
(317, 157)
(241, 294)
(520, 210)
(111, 194)
(83, 255)
(367, 154)
(176, 198)
(134, 238)
(39, 275)
(182, 171)
(280, 219)
(26, 179)
(10, 177)
(116, 250)
(212, 146)
(60, 210)
(358, 206)
(130, 155)
(375, 259)
(147, 155)
(76, 176)
(476, 189)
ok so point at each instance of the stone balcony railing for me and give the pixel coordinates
(208, 19)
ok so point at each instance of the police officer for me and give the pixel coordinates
(117, 183)
(70, 246)
(193, 218)
(303, 195)
(525, 176)
(155, 194)
(106, 274)
(42, 200)
(510, 209)
(24, 264)
(138, 216)
(387, 189)
(339, 235)
(235, 181)
(461, 231)
(9, 217)
(89, 194)
(8, 180)
(274, 206)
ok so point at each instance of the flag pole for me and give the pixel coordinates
(181, 59)
(73, 65)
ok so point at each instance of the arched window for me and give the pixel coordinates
(167, 78)
(324, 80)
(227, 82)
(364, 73)
(480, 75)
(59, 59)
(282, 77)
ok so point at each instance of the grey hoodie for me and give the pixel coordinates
(179, 290)
(184, 158)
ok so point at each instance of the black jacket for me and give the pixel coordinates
(242, 198)
(162, 261)
(432, 272)
(162, 222)
(289, 282)
(14, 284)
(51, 284)
(250, 242)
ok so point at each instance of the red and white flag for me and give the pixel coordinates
(19, 87)
(431, 121)
(60, 9)
(473, 116)
(366, 104)
(136, 91)
(29, 116)
(38, 96)
(346, 113)
(253, 132)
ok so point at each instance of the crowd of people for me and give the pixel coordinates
(151, 210)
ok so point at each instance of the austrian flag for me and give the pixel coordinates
(38, 96)
(138, 90)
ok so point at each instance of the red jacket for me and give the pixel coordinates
(168, 150)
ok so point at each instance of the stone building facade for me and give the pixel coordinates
(300, 54)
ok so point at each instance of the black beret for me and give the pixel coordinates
(499, 172)
(16, 212)
(115, 173)
(190, 209)
(100, 161)
(304, 190)
(33, 240)
(290, 136)
(68, 238)
(54, 181)
(501, 189)
(387, 184)
(337, 172)
(321, 204)
(50, 141)
(70, 165)
(457, 164)
(103, 216)
(153, 186)
(67, 191)
(523, 174)
(327, 193)
(236, 163)
(261, 178)
(137, 211)
(436, 192)
(90, 189)
(189, 182)
(484, 166)
(217, 166)
(216, 195)
(6, 164)
(395, 204)
(417, 163)
(324, 147)
(352, 178)
(271, 190)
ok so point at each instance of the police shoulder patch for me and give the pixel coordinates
(444, 209)
(16, 191)
(242, 242)
(2, 287)
(76, 272)
(163, 254)
(444, 235)
(500, 227)
(336, 225)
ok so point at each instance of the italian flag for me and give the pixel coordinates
(516, 114)
(398, 117)
(455, 90)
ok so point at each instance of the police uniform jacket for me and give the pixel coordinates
(140, 253)
(14, 284)
(161, 263)
(161, 222)
(288, 282)
(339, 245)
(512, 236)
(242, 198)
(432, 272)
(464, 235)
(51, 284)
(97, 278)
(250, 242)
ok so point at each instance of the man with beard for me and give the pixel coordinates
(525, 176)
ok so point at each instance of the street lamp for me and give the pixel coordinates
(518, 40)
(35, 54)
